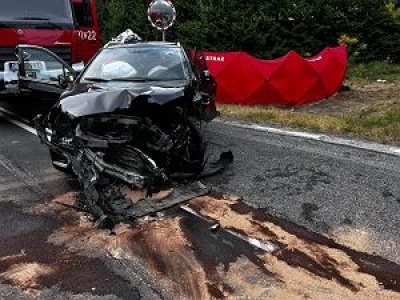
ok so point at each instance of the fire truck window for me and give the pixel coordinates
(83, 14)
(36, 14)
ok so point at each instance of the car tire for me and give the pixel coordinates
(193, 152)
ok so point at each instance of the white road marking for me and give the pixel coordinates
(10, 118)
(330, 139)
(14, 115)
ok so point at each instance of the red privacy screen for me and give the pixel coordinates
(289, 80)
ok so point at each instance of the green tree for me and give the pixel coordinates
(266, 28)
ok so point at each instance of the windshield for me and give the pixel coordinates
(137, 64)
(39, 12)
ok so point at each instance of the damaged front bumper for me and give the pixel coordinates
(101, 173)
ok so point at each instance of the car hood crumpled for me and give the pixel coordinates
(108, 101)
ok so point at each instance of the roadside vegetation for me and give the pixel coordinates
(267, 29)
(370, 109)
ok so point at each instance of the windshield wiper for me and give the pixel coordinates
(122, 79)
(33, 18)
(142, 79)
(95, 79)
(45, 21)
(133, 79)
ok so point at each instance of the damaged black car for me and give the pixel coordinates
(133, 117)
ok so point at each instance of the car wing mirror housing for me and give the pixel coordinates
(205, 76)
(65, 80)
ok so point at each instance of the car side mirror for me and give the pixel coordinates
(26, 56)
(64, 80)
(207, 83)
(205, 76)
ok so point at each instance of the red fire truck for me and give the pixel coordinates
(68, 28)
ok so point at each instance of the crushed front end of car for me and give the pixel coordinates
(148, 140)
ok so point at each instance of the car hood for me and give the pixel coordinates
(107, 101)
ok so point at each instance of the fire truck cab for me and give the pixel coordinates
(68, 28)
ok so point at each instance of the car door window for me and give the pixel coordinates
(41, 65)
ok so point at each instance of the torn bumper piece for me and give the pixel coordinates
(180, 194)
(104, 200)
(210, 168)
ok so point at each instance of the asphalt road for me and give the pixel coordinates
(350, 195)
(27, 179)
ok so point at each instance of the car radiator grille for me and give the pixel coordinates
(7, 54)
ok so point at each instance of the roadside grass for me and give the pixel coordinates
(370, 110)
(373, 71)
(268, 114)
(380, 122)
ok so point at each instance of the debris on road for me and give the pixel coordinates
(191, 261)
(183, 256)
(305, 253)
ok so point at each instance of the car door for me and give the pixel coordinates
(207, 84)
(42, 73)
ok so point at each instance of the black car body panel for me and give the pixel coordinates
(141, 131)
